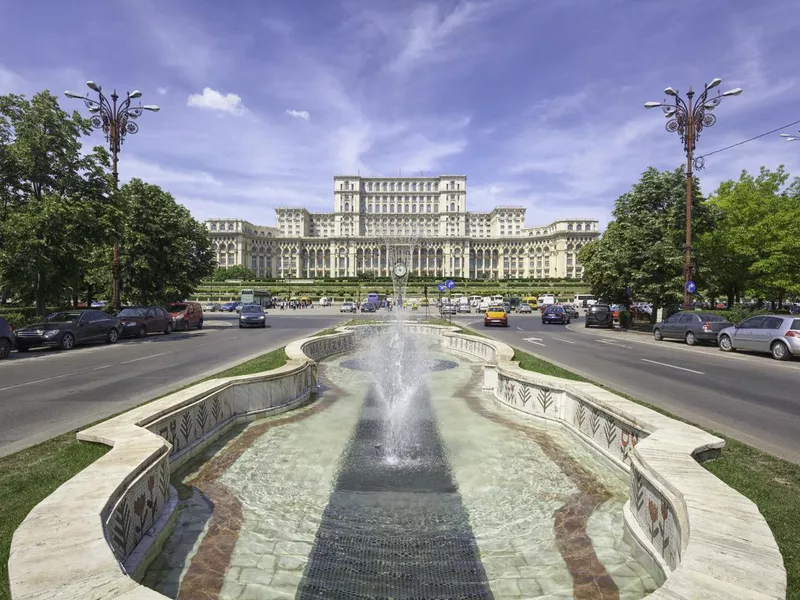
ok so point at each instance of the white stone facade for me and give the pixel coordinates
(452, 242)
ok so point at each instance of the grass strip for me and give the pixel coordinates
(772, 483)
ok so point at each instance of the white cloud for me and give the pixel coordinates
(298, 114)
(162, 90)
(214, 100)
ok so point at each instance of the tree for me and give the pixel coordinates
(234, 272)
(642, 247)
(755, 242)
(164, 252)
(55, 202)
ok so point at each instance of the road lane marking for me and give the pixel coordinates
(563, 340)
(101, 367)
(610, 343)
(535, 340)
(520, 329)
(126, 362)
(655, 362)
(19, 385)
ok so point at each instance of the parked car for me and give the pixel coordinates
(776, 334)
(348, 307)
(6, 338)
(211, 307)
(464, 308)
(691, 327)
(599, 315)
(524, 308)
(449, 309)
(571, 311)
(507, 307)
(67, 328)
(495, 315)
(555, 314)
(186, 315)
(252, 315)
(140, 320)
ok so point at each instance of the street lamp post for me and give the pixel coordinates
(789, 137)
(688, 118)
(116, 119)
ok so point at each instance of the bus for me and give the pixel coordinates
(261, 297)
(584, 300)
(375, 299)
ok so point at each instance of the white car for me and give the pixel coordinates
(348, 307)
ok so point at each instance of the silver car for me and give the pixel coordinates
(777, 334)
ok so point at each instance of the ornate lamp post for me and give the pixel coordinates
(116, 119)
(790, 137)
(688, 118)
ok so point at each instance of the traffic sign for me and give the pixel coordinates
(450, 284)
(440, 286)
(691, 287)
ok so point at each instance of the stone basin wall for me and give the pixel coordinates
(96, 533)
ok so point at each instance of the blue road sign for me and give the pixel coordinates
(440, 286)
(450, 284)
(691, 287)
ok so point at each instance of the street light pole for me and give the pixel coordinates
(789, 137)
(688, 118)
(116, 119)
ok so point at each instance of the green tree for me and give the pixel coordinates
(234, 272)
(642, 247)
(55, 200)
(164, 252)
(754, 245)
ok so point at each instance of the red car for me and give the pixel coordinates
(186, 315)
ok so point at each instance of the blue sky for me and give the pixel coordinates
(538, 102)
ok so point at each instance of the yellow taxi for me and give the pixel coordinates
(495, 315)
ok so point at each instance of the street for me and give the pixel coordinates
(45, 393)
(748, 396)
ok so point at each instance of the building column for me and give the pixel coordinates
(351, 254)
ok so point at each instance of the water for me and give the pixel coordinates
(405, 481)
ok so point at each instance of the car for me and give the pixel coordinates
(252, 315)
(599, 315)
(571, 311)
(555, 314)
(448, 309)
(691, 327)
(524, 308)
(140, 320)
(348, 307)
(186, 315)
(777, 334)
(6, 338)
(228, 307)
(368, 307)
(67, 328)
(464, 308)
(211, 307)
(495, 315)
(507, 307)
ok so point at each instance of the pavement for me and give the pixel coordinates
(45, 393)
(749, 396)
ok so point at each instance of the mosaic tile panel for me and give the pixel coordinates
(328, 346)
(138, 509)
(474, 347)
(614, 436)
(192, 422)
(656, 516)
(530, 398)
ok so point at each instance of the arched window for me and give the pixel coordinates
(569, 227)
(391, 186)
(413, 208)
(391, 208)
(384, 208)
(452, 207)
(346, 206)
(369, 208)
(578, 227)
(414, 187)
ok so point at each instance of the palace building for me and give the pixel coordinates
(449, 241)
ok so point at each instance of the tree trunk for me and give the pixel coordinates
(89, 295)
(654, 313)
(41, 299)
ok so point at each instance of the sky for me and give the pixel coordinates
(538, 102)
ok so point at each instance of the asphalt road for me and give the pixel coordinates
(749, 396)
(48, 392)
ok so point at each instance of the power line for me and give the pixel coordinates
(749, 140)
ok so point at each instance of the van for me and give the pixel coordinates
(186, 315)
(584, 300)
(325, 301)
(546, 300)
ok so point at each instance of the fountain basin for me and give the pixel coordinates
(705, 514)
